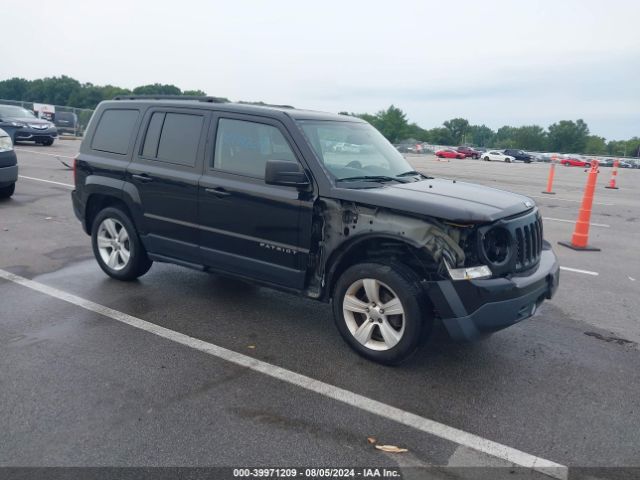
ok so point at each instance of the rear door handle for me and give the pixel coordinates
(218, 192)
(143, 177)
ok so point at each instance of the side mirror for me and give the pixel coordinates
(286, 173)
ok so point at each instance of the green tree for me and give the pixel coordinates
(458, 128)
(14, 88)
(568, 136)
(157, 89)
(441, 136)
(393, 124)
(195, 93)
(481, 135)
(595, 145)
(530, 137)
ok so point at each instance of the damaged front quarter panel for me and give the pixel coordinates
(339, 226)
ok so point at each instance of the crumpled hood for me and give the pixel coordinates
(444, 199)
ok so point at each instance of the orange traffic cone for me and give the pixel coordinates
(552, 172)
(580, 238)
(614, 174)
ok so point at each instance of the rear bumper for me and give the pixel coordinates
(472, 308)
(78, 209)
(8, 168)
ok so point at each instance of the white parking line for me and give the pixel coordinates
(603, 225)
(42, 153)
(551, 197)
(361, 402)
(46, 181)
(577, 270)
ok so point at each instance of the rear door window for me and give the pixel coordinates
(173, 138)
(114, 131)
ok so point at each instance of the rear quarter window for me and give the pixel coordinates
(114, 131)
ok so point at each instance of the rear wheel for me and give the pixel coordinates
(381, 312)
(117, 247)
(6, 192)
(487, 159)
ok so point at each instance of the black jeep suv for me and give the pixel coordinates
(261, 193)
(518, 155)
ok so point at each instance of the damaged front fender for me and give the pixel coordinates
(340, 227)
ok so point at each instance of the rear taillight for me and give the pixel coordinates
(75, 165)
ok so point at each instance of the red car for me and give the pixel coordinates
(574, 162)
(469, 152)
(449, 153)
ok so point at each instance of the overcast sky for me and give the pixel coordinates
(493, 62)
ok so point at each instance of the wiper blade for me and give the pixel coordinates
(411, 173)
(369, 178)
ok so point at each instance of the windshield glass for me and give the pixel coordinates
(350, 149)
(16, 112)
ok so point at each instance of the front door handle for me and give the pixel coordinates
(218, 192)
(143, 178)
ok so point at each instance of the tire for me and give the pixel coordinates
(405, 332)
(47, 143)
(107, 227)
(487, 159)
(507, 160)
(6, 192)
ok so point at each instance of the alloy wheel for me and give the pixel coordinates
(114, 244)
(373, 314)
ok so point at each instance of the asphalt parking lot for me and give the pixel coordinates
(102, 373)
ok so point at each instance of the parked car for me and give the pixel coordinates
(605, 162)
(518, 155)
(27, 127)
(8, 166)
(625, 164)
(574, 162)
(496, 155)
(449, 153)
(67, 122)
(249, 191)
(469, 152)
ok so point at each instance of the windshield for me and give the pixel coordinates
(354, 150)
(15, 112)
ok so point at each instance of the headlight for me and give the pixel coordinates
(468, 273)
(5, 144)
(18, 124)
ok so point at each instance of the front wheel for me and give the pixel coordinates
(380, 311)
(6, 192)
(48, 142)
(117, 247)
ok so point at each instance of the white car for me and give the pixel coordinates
(496, 155)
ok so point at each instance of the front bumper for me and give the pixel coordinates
(35, 135)
(472, 308)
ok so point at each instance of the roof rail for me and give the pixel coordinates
(262, 104)
(195, 98)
